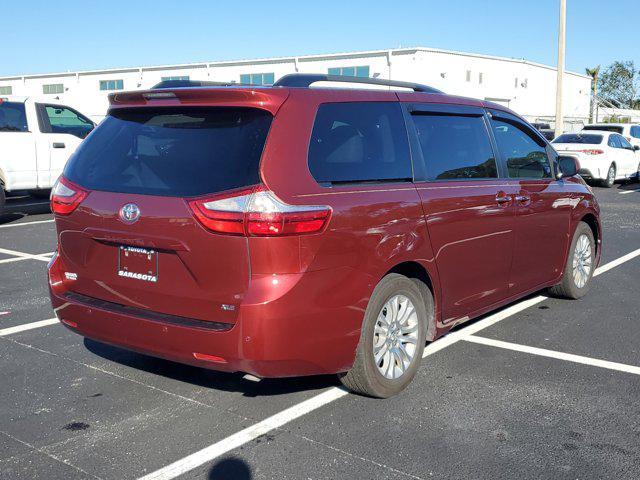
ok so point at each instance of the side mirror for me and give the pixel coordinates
(567, 166)
(636, 148)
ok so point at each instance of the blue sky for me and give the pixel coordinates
(45, 36)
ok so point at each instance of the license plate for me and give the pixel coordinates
(138, 263)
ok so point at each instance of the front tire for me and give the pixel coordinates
(611, 177)
(392, 338)
(578, 271)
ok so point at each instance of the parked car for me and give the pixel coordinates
(36, 139)
(545, 129)
(630, 131)
(604, 156)
(290, 230)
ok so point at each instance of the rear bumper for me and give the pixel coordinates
(279, 334)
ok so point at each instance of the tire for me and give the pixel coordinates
(387, 378)
(611, 177)
(570, 287)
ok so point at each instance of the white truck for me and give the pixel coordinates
(36, 140)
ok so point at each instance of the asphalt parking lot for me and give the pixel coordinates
(545, 388)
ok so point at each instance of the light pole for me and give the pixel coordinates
(561, 45)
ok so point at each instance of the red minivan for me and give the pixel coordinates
(293, 230)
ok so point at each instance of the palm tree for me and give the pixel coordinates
(593, 73)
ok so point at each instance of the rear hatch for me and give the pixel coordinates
(149, 161)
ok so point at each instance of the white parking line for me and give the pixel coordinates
(40, 256)
(628, 191)
(28, 326)
(621, 367)
(245, 436)
(23, 224)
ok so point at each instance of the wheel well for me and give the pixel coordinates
(413, 270)
(590, 220)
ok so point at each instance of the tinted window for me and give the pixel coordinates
(623, 142)
(455, 147)
(13, 117)
(606, 128)
(614, 142)
(172, 151)
(354, 142)
(525, 155)
(635, 132)
(65, 120)
(579, 138)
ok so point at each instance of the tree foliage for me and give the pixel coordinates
(619, 84)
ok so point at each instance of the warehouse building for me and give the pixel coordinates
(526, 87)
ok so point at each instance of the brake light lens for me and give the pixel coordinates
(66, 196)
(593, 151)
(258, 212)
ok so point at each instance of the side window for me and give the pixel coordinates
(623, 142)
(455, 147)
(525, 156)
(614, 142)
(65, 120)
(635, 132)
(13, 117)
(359, 142)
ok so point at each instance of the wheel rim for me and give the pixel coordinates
(395, 337)
(612, 174)
(582, 261)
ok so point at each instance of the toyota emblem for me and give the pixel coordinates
(130, 213)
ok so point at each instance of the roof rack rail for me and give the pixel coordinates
(305, 80)
(192, 83)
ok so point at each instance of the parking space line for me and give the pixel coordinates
(569, 357)
(248, 434)
(23, 224)
(40, 256)
(28, 326)
(629, 191)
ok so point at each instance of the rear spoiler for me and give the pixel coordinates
(269, 99)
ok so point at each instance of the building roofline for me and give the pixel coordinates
(293, 59)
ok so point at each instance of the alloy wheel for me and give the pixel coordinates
(582, 261)
(395, 337)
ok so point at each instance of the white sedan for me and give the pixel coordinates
(604, 156)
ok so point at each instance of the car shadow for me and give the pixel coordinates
(230, 468)
(21, 206)
(202, 377)
(632, 185)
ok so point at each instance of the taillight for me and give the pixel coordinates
(258, 212)
(593, 151)
(66, 196)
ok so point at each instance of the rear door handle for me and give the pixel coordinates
(502, 198)
(58, 145)
(522, 198)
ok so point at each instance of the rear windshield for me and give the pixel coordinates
(13, 117)
(172, 151)
(606, 128)
(579, 138)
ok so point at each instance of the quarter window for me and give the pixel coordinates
(13, 117)
(53, 88)
(111, 84)
(361, 71)
(359, 142)
(6, 90)
(455, 147)
(525, 155)
(257, 79)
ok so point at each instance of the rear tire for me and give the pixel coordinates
(392, 338)
(611, 177)
(578, 271)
